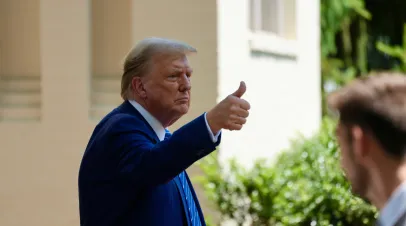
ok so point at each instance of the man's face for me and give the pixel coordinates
(355, 172)
(167, 87)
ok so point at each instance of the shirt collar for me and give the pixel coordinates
(394, 208)
(152, 121)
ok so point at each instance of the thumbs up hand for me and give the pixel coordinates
(231, 113)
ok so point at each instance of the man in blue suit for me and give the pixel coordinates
(133, 170)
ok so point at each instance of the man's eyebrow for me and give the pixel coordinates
(180, 69)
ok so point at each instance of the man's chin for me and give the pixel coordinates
(183, 109)
(178, 116)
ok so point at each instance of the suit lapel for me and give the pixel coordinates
(127, 108)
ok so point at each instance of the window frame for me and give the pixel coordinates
(274, 43)
(257, 19)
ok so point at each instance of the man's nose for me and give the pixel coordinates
(185, 84)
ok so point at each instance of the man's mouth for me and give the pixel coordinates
(183, 99)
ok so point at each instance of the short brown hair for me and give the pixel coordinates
(376, 103)
(138, 59)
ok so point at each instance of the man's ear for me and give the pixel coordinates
(359, 144)
(138, 87)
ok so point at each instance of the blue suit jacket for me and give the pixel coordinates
(128, 177)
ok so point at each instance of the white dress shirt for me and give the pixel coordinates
(394, 208)
(157, 126)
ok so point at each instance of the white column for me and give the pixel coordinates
(65, 68)
(65, 60)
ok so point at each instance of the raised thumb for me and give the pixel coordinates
(241, 90)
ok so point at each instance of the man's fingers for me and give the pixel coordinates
(235, 122)
(242, 113)
(243, 104)
(234, 126)
(238, 110)
(235, 119)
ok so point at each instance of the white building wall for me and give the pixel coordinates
(282, 80)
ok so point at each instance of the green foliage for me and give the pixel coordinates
(304, 185)
(353, 44)
(336, 18)
(398, 52)
(337, 73)
(209, 221)
(334, 15)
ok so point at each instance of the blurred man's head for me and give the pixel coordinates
(157, 75)
(372, 131)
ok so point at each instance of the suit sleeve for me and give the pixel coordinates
(147, 164)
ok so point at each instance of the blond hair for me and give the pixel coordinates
(139, 58)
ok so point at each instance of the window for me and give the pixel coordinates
(276, 17)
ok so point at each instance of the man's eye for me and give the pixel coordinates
(172, 77)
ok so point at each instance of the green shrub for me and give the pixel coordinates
(303, 187)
